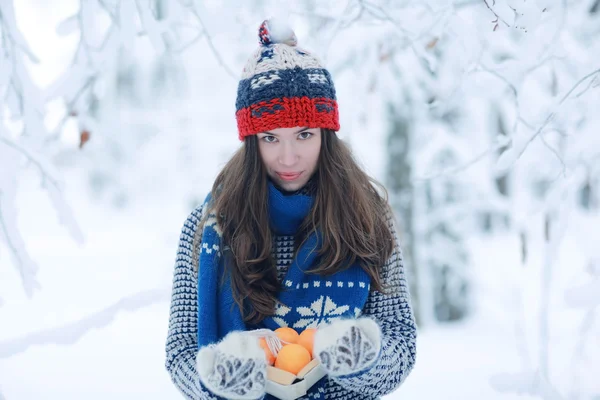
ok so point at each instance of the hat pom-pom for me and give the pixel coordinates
(273, 31)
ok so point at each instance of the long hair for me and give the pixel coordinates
(348, 210)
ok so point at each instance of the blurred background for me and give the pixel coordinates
(477, 115)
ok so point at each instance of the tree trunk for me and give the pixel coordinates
(400, 188)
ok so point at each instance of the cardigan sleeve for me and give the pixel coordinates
(182, 342)
(394, 314)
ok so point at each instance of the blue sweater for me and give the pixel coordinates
(393, 312)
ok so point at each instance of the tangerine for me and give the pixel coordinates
(307, 339)
(292, 358)
(287, 335)
(268, 353)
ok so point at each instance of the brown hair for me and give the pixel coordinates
(357, 233)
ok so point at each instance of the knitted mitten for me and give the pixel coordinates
(235, 368)
(347, 346)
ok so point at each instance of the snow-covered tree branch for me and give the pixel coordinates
(482, 113)
(22, 142)
(69, 334)
(108, 32)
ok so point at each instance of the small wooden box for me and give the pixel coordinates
(287, 386)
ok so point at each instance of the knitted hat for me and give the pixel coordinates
(284, 86)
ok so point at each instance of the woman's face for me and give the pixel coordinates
(290, 155)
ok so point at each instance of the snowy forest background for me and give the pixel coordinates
(481, 117)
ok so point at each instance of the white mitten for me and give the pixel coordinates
(347, 346)
(235, 368)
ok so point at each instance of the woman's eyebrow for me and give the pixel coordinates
(295, 133)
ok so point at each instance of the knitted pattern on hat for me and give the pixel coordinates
(284, 86)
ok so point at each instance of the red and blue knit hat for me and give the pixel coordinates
(284, 86)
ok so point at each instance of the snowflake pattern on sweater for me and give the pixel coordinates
(392, 311)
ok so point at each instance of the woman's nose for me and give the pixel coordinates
(288, 155)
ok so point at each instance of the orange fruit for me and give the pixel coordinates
(307, 339)
(268, 354)
(288, 335)
(292, 358)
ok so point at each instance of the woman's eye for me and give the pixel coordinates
(305, 135)
(269, 139)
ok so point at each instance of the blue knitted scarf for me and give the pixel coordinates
(307, 300)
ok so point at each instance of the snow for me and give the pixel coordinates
(88, 236)
(584, 296)
(125, 265)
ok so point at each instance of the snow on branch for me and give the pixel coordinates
(27, 111)
(514, 92)
(69, 334)
(512, 154)
(11, 33)
(99, 50)
(25, 266)
(195, 8)
(500, 142)
(498, 18)
(95, 59)
(523, 16)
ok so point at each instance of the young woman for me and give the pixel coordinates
(293, 234)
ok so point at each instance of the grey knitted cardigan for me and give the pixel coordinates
(393, 312)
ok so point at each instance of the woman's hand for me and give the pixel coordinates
(347, 346)
(235, 368)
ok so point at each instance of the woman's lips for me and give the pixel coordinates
(289, 176)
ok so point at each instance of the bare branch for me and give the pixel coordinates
(190, 43)
(552, 114)
(349, 16)
(544, 61)
(31, 158)
(515, 93)
(385, 16)
(555, 152)
(454, 170)
(210, 42)
(593, 83)
(559, 30)
(512, 87)
(409, 39)
(497, 16)
(57, 131)
(83, 46)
